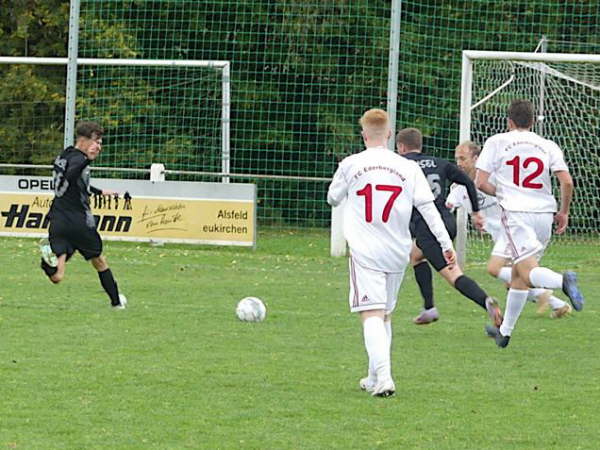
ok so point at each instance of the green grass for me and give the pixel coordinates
(178, 370)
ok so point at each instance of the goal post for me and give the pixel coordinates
(565, 89)
(165, 88)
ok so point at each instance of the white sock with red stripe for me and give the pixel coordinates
(545, 278)
(515, 300)
(377, 344)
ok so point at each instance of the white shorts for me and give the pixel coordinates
(525, 234)
(372, 289)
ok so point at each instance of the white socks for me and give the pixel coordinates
(388, 330)
(505, 274)
(555, 302)
(539, 276)
(545, 278)
(515, 300)
(534, 293)
(377, 344)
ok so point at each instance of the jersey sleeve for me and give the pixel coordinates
(557, 159)
(434, 221)
(338, 189)
(422, 193)
(485, 161)
(456, 197)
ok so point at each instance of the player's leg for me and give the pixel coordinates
(89, 244)
(56, 250)
(368, 298)
(540, 230)
(471, 290)
(499, 267)
(393, 283)
(524, 245)
(118, 301)
(424, 279)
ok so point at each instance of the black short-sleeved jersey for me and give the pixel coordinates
(72, 188)
(440, 173)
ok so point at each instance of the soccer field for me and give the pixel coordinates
(178, 370)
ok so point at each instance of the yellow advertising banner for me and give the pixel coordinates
(216, 221)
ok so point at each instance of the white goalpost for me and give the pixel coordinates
(566, 91)
(145, 69)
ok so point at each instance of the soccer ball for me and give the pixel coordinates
(251, 309)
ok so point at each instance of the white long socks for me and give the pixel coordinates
(545, 278)
(377, 344)
(505, 274)
(388, 330)
(515, 301)
(555, 302)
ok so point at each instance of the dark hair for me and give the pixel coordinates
(88, 130)
(411, 137)
(521, 113)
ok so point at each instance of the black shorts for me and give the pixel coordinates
(66, 236)
(429, 245)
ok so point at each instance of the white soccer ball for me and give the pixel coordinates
(251, 309)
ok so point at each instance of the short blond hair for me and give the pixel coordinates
(375, 123)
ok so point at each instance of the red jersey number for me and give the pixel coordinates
(528, 181)
(367, 192)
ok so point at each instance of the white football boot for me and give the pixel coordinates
(47, 255)
(122, 304)
(384, 388)
(367, 384)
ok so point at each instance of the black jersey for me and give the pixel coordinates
(72, 188)
(440, 173)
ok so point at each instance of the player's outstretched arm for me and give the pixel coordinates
(566, 195)
(483, 184)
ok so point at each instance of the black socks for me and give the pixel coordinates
(470, 289)
(110, 286)
(48, 270)
(423, 277)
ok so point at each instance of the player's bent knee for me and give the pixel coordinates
(364, 315)
(99, 263)
(451, 273)
(493, 270)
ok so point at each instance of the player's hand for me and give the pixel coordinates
(478, 220)
(561, 220)
(450, 206)
(450, 257)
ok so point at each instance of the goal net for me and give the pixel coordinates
(565, 89)
(174, 112)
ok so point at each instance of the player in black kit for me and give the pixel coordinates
(72, 225)
(439, 174)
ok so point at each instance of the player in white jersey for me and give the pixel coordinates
(466, 155)
(381, 188)
(522, 162)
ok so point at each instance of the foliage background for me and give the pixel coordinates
(302, 74)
